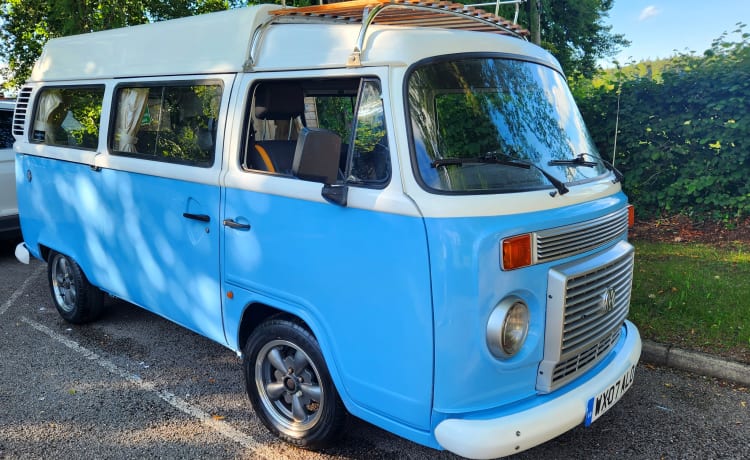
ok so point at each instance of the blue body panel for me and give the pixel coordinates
(468, 283)
(128, 233)
(360, 279)
(398, 303)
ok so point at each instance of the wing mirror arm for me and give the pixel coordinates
(335, 194)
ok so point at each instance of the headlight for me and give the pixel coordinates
(507, 327)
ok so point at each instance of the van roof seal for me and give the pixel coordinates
(410, 13)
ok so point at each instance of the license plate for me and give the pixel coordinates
(601, 403)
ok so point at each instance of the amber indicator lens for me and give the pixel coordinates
(516, 252)
(631, 216)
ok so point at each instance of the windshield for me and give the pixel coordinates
(482, 110)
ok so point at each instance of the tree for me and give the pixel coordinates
(573, 31)
(28, 24)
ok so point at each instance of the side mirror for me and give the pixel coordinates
(316, 158)
(335, 194)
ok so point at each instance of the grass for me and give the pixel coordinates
(694, 296)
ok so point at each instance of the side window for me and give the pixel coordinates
(173, 123)
(6, 127)
(352, 108)
(370, 158)
(69, 116)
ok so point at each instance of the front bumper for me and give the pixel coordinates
(513, 433)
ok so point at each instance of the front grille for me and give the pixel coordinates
(571, 366)
(570, 240)
(582, 325)
(22, 111)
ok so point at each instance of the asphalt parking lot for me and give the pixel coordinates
(133, 385)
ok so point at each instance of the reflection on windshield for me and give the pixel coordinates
(472, 108)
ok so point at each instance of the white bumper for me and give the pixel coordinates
(22, 253)
(510, 434)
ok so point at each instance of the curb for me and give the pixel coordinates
(699, 363)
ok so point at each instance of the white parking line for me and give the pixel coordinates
(21, 289)
(178, 403)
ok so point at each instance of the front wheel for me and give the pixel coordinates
(290, 387)
(76, 299)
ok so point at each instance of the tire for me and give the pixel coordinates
(290, 387)
(76, 300)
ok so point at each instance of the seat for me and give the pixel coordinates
(277, 101)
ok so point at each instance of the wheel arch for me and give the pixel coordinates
(254, 315)
(44, 252)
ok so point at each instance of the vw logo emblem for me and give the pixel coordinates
(607, 300)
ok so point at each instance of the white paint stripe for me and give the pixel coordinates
(180, 404)
(21, 289)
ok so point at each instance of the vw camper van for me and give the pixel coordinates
(390, 209)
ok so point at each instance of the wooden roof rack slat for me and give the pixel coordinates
(354, 11)
(411, 13)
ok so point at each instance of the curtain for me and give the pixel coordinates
(44, 122)
(130, 111)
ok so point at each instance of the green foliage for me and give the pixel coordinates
(336, 113)
(683, 137)
(28, 24)
(465, 125)
(86, 109)
(574, 31)
(692, 296)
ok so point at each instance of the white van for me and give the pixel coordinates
(9, 225)
(389, 209)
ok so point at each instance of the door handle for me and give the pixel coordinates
(200, 217)
(236, 225)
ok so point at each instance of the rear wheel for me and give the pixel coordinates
(290, 387)
(76, 299)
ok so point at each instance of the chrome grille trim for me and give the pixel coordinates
(579, 329)
(560, 242)
(22, 111)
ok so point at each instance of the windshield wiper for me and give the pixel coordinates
(577, 161)
(618, 175)
(580, 161)
(502, 159)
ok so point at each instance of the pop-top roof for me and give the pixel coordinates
(246, 39)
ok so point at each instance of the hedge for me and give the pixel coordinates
(683, 139)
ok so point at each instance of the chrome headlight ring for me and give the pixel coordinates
(508, 327)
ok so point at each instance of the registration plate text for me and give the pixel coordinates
(602, 402)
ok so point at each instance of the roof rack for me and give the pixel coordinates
(412, 13)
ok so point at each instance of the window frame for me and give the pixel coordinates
(159, 84)
(383, 183)
(361, 81)
(37, 100)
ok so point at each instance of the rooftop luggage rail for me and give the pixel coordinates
(411, 13)
(497, 4)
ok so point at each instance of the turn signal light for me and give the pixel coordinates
(631, 216)
(516, 252)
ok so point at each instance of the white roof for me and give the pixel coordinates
(209, 43)
(220, 43)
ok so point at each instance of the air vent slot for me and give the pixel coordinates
(22, 111)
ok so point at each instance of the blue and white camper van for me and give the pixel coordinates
(389, 208)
